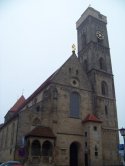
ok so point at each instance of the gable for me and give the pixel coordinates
(71, 73)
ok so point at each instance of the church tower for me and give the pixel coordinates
(94, 55)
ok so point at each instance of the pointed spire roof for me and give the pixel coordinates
(91, 118)
(91, 12)
(18, 104)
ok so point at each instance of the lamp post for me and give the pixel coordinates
(122, 131)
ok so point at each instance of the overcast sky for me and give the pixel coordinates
(36, 38)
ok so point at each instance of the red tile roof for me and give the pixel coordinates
(91, 118)
(39, 89)
(22, 101)
(41, 131)
(18, 104)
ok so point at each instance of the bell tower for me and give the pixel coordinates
(94, 55)
(93, 40)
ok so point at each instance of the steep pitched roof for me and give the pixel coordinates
(54, 78)
(41, 131)
(18, 104)
(44, 84)
(1, 125)
(91, 118)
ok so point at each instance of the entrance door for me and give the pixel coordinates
(74, 154)
(86, 159)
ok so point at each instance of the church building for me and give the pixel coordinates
(71, 119)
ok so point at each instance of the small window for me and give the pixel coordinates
(102, 64)
(95, 128)
(85, 133)
(70, 70)
(104, 88)
(38, 108)
(55, 94)
(86, 65)
(10, 150)
(85, 144)
(77, 72)
(96, 153)
(74, 82)
(83, 39)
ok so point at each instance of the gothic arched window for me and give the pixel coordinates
(55, 93)
(83, 40)
(102, 64)
(106, 110)
(74, 105)
(85, 65)
(104, 88)
(47, 148)
(35, 148)
(96, 151)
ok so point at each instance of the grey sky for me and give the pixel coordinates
(36, 38)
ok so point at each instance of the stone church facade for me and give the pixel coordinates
(71, 119)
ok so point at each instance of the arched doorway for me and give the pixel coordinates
(35, 148)
(74, 148)
(47, 148)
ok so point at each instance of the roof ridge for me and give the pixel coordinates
(18, 103)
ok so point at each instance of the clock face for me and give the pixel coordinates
(99, 35)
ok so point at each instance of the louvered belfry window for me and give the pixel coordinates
(74, 105)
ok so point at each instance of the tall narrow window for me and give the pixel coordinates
(96, 151)
(85, 133)
(106, 110)
(83, 40)
(74, 105)
(38, 108)
(86, 65)
(70, 70)
(104, 88)
(77, 72)
(102, 64)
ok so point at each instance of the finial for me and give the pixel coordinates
(73, 48)
(89, 5)
(22, 92)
